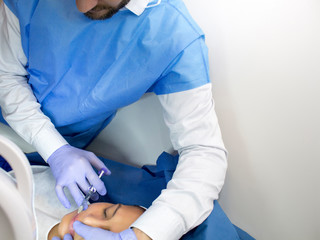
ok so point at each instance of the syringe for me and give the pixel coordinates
(91, 191)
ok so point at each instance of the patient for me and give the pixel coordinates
(112, 217)
(55, 220)
(129, 186)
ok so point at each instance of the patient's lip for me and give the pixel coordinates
(71, 230)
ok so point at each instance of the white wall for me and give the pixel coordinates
(136, 136)
(265, 65)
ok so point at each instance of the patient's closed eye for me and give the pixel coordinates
(110, 212)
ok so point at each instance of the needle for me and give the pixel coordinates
(91, 191)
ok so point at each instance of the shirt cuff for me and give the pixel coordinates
(47, 141)
(160, 223)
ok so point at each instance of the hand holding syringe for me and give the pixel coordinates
(92, 190)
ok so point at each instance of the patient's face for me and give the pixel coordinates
(113, 217)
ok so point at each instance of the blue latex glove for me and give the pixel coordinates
(72, 168)
(92, 233)
(66, 237)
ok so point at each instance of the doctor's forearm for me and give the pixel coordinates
(200, 173)
(19, 106)
(22, 111)
(188, 199)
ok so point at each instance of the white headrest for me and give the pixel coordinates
(16, 198)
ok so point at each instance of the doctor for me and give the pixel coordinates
(66, 67)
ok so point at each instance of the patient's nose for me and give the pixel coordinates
(93, 217)
(86, 5)
(93, 220)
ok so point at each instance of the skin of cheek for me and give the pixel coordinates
(111, 3)
(124, 218)
(84, 5)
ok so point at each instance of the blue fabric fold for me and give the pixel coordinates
(141, 186)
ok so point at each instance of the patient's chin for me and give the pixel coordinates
(53, 232)
(64, 226)
(77, 237)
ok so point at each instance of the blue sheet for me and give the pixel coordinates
(140, 186)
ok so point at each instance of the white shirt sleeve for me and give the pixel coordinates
(188, 199)
(18, 103)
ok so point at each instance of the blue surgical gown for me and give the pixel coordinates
(81, 71)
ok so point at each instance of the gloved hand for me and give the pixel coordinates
(66, 237)
(92, 233)
(72, 168)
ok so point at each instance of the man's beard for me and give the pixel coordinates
(102, 12)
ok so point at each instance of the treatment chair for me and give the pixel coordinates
(17, 216)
